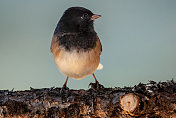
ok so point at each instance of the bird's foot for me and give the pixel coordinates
(64, 92)
(96, 86)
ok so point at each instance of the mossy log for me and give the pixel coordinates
(151, 100)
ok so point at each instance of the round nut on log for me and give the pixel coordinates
(129, 102)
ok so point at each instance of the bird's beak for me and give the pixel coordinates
(95, 16)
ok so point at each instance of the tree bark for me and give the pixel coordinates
(151, 100)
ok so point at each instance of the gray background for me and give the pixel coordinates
(138, 38)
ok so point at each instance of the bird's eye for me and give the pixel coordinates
(85, 15)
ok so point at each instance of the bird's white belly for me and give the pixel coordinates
(77, 65)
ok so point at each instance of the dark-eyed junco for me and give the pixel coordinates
(75, 45)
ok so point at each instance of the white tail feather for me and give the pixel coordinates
(100, 66)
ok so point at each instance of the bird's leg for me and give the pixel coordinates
(65, 84)
(65, 90)
(95, 79)
(96, 85)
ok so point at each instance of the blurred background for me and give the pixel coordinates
(138, 39)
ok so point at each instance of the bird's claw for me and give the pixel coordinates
(96, 86)
(64, 92)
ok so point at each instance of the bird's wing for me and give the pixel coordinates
(54, 45)
(99, 46)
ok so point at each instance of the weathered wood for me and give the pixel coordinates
(129, 103)
(152, 100)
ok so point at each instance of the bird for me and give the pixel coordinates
(75, 45)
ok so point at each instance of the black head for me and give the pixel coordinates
(76, 19)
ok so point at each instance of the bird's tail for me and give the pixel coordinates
(100, 66)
